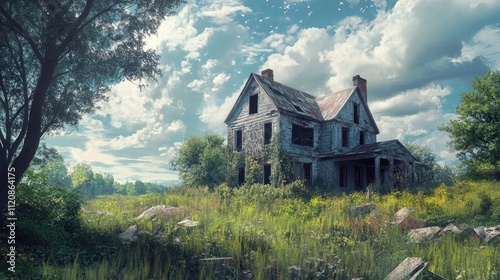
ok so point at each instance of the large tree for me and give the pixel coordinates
(475, 133)
(58, 58)
(201, 161)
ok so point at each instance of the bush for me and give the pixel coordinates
(49, 214)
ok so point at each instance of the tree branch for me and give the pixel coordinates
(21, 31)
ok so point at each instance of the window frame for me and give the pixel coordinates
(345, 137)
(343, 176)
(356, 113)
(266, 179)
(303, 136)
(253, 104)
(238, 141)
(268, 132)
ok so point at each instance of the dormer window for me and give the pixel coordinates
(298, 108)
(254, 103)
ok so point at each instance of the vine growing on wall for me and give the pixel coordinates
(282, 168)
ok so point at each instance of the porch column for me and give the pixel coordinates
(391, 179)
(377, 171)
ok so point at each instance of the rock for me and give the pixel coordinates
(188, 223)
(159, 211)
(420, 235)
(410, 267)
(402, 214)
(363, 210)
(452, 229)
(128, 234)
(487, 233)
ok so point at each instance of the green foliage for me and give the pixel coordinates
(474, 134)
(50, 214)
(58, 61)
(253, 171)
(201, 161)
(82, 179)
(431, 174)
(261, 232)
(282, 168)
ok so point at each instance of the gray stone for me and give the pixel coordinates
(363, 210)
(128, 234)
(487, 233)
(452, 229)
(402, 214)
(410, 267)
(420, 235)
(188, 223)
(159, 211)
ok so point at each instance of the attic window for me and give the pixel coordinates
(298, 108)
(302, 135)
(254, 101)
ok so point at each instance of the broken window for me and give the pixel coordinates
(268, 132)
(267, 173)
(302, 135)
(238, 141)
(361, 138)
(254, 100)
(356, 113)
(241, 175)
(343, 176)
(345, 137)
(303, 171)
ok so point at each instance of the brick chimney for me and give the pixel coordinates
(268, 73)
(357, 81)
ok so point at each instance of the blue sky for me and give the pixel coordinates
(418, 56)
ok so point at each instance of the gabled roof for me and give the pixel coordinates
(291, 100)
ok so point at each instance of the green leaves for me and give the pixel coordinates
(475, 134)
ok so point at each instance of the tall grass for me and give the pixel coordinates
(260, 232)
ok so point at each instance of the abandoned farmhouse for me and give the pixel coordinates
(332, 138)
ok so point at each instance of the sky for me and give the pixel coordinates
(418, 56)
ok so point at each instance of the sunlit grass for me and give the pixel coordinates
(270, 234)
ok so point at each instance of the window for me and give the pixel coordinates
(356, 113)
(343, 176)
(267, 173)
(238, 141)
(298, 108)
(357, 179)
(254, 100)
(303, 171)
(307, 174)
(268, 132)
(345, 136)
(302, 135)
(241, 175)
(361, 138)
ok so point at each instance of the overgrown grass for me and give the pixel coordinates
(260, 232)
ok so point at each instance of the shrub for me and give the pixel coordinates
(49, 214)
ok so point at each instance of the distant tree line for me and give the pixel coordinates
(48, 169)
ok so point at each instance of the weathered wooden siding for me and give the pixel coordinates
(331, 131)
(252, 125)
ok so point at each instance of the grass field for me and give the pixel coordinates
(260, 232)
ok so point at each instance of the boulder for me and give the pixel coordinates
(451, 228)
(159, 211)
(487, 233)
(421, 235)
(128, 234)
(402, 214)
(363, 210)
(188, 223)
(410, 267)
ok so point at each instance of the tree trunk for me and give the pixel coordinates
(33, 134)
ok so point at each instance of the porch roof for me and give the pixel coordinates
(391, 148)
